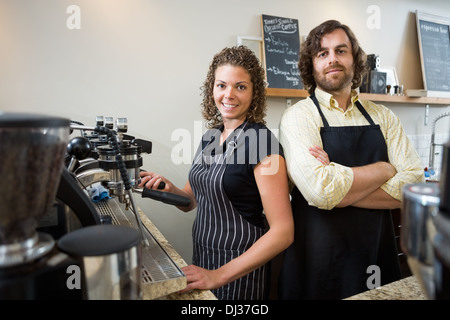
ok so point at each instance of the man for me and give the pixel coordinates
(348, 160)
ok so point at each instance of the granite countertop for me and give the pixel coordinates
(192, 295)
(404, 289)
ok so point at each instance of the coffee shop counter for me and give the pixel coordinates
(404, 289)
(173, 254)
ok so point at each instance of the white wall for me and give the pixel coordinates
(146, 59)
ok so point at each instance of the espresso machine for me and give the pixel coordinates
(105, 156)
(425, 232)
(49, 226)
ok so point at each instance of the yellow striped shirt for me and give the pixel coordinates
(325, 186)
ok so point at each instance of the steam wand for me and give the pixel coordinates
(433, 144)
(121, 166)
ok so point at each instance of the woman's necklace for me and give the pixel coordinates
(226, 132)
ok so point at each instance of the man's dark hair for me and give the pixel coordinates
(312, 46)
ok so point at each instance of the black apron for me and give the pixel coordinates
(333, 249)
(220, 233)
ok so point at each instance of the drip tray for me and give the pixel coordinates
(160, 275)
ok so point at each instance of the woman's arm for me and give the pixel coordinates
(271, 178)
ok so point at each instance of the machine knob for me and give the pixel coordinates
(79, 147)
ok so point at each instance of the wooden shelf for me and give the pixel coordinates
(403, 99)
(294, 93)
(286, 93)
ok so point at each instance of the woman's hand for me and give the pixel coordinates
(320, 155)
(151, 180)
(200, 278)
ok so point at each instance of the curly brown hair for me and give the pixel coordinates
(312, 46)
(236, 56)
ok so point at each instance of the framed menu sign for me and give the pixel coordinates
(434, 43)
(281, 40)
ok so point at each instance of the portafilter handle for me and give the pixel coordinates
(166, 197)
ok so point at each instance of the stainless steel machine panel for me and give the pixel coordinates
(160, 274)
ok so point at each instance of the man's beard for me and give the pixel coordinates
(331, 85)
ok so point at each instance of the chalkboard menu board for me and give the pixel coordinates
(434, 42)
(281, 39)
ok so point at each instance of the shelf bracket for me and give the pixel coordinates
(288, 103)
(427, 109)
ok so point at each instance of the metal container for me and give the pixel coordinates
(420, 207)
(111, 260)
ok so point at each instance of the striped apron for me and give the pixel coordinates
(220, 233)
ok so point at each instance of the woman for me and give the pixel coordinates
(238, 182)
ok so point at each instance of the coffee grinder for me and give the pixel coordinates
(32, 149)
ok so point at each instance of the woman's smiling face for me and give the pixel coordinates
(233, 92)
